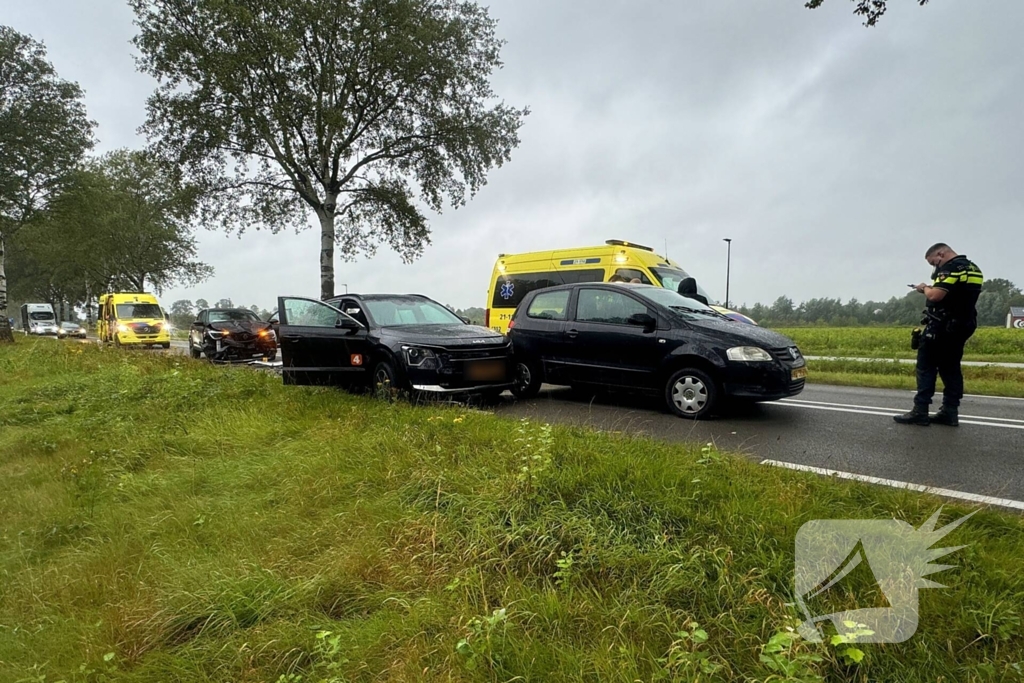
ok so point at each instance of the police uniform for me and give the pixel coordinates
(948, 325)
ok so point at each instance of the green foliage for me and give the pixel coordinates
(44, 132)
(871, 10)
(207, 523)
(122, 223)
(354, 111)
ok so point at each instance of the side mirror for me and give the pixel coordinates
(353, 311)
(644, 320)
(465, 320)
(345, 323)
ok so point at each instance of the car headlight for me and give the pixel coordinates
(122, 328)
(748, 354)
(420, 358)
(167, 327)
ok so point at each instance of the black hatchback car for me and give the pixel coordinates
(390, 342)
(639, 337)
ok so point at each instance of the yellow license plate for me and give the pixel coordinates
(488, 371)
(798, 373)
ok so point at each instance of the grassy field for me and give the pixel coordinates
(993, 344)
(167, 520)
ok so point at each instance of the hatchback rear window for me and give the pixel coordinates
(549, 305)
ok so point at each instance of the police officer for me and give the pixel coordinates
(950, 319)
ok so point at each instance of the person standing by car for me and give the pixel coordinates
(951, 317)
(688, 288)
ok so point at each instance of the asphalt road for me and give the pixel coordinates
(845, 430)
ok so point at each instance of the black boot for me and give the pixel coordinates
(947, 415)
(917, 416)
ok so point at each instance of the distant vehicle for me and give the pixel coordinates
(390, 343)
(516, 275)
(231, 334)
(69, 329)
(638, 337)
(38, 319)
(132, 319)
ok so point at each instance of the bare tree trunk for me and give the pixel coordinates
(6, 335)
(326, 253)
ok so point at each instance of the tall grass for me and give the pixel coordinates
(988, 343)
(165, 520)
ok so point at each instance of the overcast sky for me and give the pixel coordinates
(832, 154)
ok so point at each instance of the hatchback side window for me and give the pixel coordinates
(603, 306)
(549, 305)
(306, 313)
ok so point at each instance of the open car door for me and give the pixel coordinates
(321, 344)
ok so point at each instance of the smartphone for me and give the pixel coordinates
(912, 286)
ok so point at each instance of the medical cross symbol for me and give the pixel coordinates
(507, 290)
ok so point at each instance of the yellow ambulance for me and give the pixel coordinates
(515, 275)
(133, 319)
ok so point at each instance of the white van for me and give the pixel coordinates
(38, 319)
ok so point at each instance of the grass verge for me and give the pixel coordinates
(887, 374)
(992, 344)
(167, 520)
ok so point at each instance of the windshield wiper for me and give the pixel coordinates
(700, 311)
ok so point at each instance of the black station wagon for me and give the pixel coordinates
(650, 339)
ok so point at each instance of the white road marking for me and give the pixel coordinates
(888, 412)
(948, 493)
(896, 410)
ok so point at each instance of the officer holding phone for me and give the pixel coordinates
(951, 318)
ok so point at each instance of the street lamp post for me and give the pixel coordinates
(728, 264)
(345, 286)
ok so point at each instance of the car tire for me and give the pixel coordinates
(271, 357)
(384, 383)
(165, 345)
(193, 351)
(117, 342)
(691, 393)
(527, 378)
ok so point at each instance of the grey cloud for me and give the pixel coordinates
(832, 154)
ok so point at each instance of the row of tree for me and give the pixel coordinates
(997, 296)
(119, 223)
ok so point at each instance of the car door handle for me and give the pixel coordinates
(291, 337)
(572, 334)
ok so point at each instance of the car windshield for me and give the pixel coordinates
(41, 315)
(138, 310)
(395, 311)
(677, 302)
(671, 277)
(233, 316)
(69, 326)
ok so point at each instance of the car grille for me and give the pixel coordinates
(462, 355)
(143, 328)
(787, 354)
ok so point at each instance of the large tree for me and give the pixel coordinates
(44, 132)
(363, 112)
(871, 10)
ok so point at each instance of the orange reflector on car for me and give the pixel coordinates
(357, 359)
